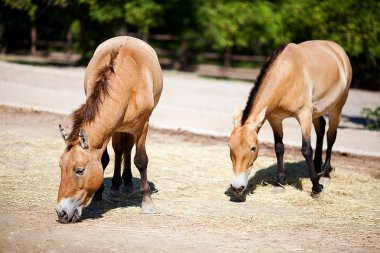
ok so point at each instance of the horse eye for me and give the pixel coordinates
(253, 149)
(79, 171)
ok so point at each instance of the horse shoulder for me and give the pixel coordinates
(291, 90)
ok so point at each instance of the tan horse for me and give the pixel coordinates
(304, 81)
(123, 83)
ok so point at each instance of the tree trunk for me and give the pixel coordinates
(183, 54)
(144, 37)
(227, 57)
(33, 40)
(1, 39)
(69, 43)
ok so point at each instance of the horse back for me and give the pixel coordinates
(318, 75)
(134, 80)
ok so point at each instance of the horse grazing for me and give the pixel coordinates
(123, 83)
(304, 81)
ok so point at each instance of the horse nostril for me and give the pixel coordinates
(63, 217)
(61, 214)
(238, 190)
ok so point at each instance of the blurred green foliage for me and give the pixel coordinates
(143, 14)
(231, 24)
(223, 26)
(372, 117)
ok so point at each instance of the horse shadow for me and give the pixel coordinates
(126, 199)
(357, 120)
(295, 172)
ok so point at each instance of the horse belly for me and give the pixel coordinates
(138, 111)
(324, 102)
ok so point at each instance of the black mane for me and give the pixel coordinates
(260, 78)
(88, 111)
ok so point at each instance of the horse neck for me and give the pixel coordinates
(266, 100)
(253, 117)
(101, 129)
(98, 139)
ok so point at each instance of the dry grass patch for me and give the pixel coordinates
(189, 182)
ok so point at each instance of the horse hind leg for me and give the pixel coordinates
(319, 126)
(334, 119)
(122, 144)
(141, 162)
(117, 145)
(127, 172)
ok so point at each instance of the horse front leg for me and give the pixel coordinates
(141, 162)
(279, 149)
(305, 120)
(97, 200)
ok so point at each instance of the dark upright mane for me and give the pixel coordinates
(260, 78)
(88, 111)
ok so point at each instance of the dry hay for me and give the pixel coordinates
(190, 181)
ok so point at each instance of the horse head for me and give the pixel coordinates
(244, 148)
(81, 176)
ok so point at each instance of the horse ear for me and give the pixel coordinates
(258, 121)
(83, 139)
(237, 116)
(63, 132)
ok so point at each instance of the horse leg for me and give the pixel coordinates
(305, 120)
(117, 145)
(127, 173)
(97, 200)
(334, 119)
(141, 162)
(319, 125)
(279, 149)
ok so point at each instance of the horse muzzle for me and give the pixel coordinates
(68, 211)
(239, 183)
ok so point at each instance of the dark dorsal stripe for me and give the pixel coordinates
(88, 111)
(260, 78)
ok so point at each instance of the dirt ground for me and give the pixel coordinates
(189, 175)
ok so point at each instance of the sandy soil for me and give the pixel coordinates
(190, 175)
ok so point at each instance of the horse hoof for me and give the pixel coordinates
(128, 190)
(238, 198)
(277, 189)
(325, 181)
(316, 195)
(96, 205)
(317, 192)
(148, 208)
(114, 194)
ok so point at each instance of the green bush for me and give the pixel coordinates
(372, 117)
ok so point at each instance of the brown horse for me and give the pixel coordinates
(304, 81)
(123, 83)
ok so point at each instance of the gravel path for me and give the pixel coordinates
(189, 102)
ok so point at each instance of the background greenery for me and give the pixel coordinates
(225, 27)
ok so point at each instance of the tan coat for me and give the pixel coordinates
(304, 81)
(123, 83)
